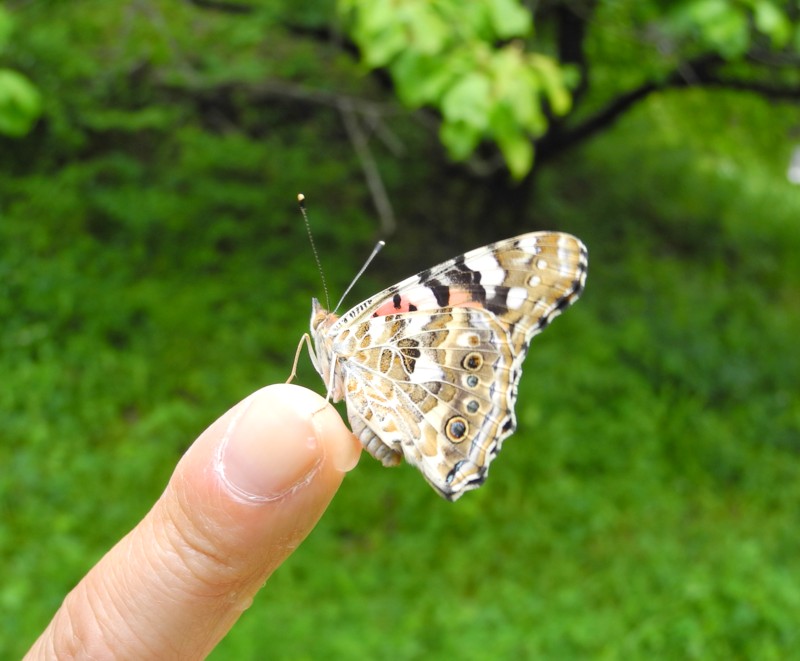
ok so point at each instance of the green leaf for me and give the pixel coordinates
(468, 101)
(374, 17)
(773, 22)
(382, 49)
(731, 34)
(378, 33)
(509, 18)
(518, 155)
(460, 139)
(428, 32)
(20, 103)
(722, 25)
(709, 11)
(383, 30)
(421, 78)
(511, 75)
(553, 82)
(514, 143)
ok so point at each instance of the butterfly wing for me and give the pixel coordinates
(429, 368)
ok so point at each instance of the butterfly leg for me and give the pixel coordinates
(307, 339)
(331, 380)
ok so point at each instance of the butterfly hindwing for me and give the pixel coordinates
(426, 389)
(429, 368)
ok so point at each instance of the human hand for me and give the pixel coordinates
(240, 501)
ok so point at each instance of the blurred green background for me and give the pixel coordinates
(154, 270)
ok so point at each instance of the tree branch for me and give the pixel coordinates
(356, 113)
(370, 168)
(699, 72)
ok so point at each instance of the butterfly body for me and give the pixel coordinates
(429, 368)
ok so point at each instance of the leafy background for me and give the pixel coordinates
(154, 271)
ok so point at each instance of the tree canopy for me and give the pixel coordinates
(492, 72)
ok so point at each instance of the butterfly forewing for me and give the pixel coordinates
(429, 368)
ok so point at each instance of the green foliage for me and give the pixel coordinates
(446, 55)
(20, 102)
(730, 26)
(482, 69)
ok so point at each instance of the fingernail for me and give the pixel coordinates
(266, 454)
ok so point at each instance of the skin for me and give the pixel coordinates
(242, 498)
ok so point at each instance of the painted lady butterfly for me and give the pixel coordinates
(429, 368)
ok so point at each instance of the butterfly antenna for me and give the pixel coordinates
(378, 247)
(301, 201)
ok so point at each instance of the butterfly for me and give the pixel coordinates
(429, 367)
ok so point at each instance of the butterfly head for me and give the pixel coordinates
(321, 319)
(321, 322)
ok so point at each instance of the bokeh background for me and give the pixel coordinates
(154, 270)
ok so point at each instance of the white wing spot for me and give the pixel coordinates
(516, 297)
(534, 281)
(420, 296)
(469, 340)
(541, 264)
(426, 370)
(417, 323)
(529, 244)
(564, 249)
(487, 266)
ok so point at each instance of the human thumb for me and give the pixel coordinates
(240, 501)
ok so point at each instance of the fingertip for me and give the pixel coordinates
(279, 440)
(341, 446)
(337, 441)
